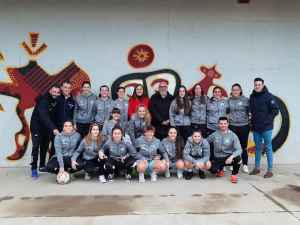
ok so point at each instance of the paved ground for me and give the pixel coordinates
(253, 200)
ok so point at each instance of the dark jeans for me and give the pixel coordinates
(53, 166)
(115, 166)
(243, 133)
(83, 129)
(184, 131)
(219, 163)
(40, 146)
(94, 167)
(201, 127)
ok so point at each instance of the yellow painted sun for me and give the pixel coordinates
(141, 55)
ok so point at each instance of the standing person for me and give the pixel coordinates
(263, 108)
(103, 106)
(159, 107)
(89, 148)
(198, 114)
(42, 125)
(196, 155)
(171, 150)
(138, 122)
(149, 155)
(239, 120)
(84, 106)
(122, 104)
(180, 111)
(65, 145)
(118, 155)
(227, 150)
(217, 107)
(138, 98)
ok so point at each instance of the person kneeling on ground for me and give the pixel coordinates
(117, 155)
(196, 155)
(227, 150)
(149, 157)
(89, 149)
(65, 145)
(171, 150)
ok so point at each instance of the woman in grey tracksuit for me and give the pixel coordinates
(198, 114)
(180, 111)
(83, 111)
(239, 119)
(122, 104)
(217, 107)
(65, 145)
(103, 106)
(171, 150)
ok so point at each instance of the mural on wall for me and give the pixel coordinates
(31, 80)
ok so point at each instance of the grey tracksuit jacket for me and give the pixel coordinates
(88, 151)
(238, 111)
(225, 144)
(136, 128)
(123, 106)
(102, 110)
(168, 150)
(84, 108)
(109, 125)
(148, 150)
(65, 146)
(178, 119)
(198, 114)
(118, 150)
(196, 152)
(215, 110)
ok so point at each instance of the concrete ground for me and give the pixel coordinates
(254, 200)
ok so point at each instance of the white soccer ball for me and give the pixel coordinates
(63, 178)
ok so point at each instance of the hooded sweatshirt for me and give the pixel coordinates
(198, 114)
(118, 150)
(178, 118)
(136, 127)
(216, 109)
(122, 105)
(148, 150)
(103, 110)
(168, 149)
(196, 152)
(84, 105)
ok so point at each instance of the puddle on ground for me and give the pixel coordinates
(103, 205)
(291, 193)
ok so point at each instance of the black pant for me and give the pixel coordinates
(40, 146)
(53, 166)
(243, 133)
(219, 163)
(115, 166)
(184, 131)
(94, 167)
(201, 127)
(83, 129)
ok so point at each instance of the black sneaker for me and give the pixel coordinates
(43, 169)
(202, 174)
(188, 175)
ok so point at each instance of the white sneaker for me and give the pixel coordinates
(179, 174)
(141, 178)
(128, 176)
(231, 168)
(167, 173)
(102, 179)
(87, 176)
(153, 177)
(110, 177)
(224, 169)
(245, 169)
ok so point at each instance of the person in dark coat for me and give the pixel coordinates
(263, 109)
(41, 126)
(159, 108)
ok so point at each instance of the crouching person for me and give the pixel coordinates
(227, 150)
(148, 154)
(89, 149)
(65, 145)
(117, 155)
(171, 150)
(196, 155)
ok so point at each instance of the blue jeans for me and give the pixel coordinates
(266, 138)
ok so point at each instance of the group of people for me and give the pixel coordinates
(183, 134)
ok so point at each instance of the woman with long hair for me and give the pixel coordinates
(139, 97)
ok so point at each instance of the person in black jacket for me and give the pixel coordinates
(159, 108)
(41, 125)
(263, 108)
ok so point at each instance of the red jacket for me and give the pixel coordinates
(134, 103)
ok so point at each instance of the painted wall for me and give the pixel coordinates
(242, 40)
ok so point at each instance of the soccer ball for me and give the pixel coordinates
(63, 178)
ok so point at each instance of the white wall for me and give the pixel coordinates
(243, 40)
